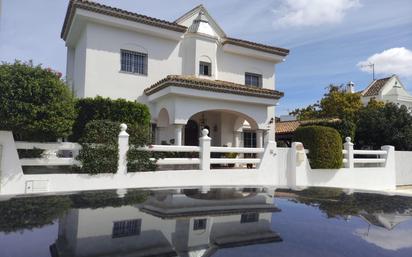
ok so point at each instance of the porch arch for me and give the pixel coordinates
(163, 119)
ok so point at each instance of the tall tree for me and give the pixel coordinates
(384, 125)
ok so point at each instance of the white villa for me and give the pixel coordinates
(170, 223)
(388, 89)
(189, 72)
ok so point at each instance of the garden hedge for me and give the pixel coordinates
(35, 103)
(99, 153)
(324, 144)
(99, 108)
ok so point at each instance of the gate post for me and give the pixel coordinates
(123, 142)
(204, 153)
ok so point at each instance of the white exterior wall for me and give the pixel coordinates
(79, 62)
(232, 67)
(403, 167)
(96, 62)
(104, 76)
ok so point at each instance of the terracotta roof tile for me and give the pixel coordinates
(123, 14)
(212, 85)
(285, 127)
(257, 46)
(115, 12)
(375, 87)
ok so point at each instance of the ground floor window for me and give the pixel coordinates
(126, 228)
(249, 217)
(199, 224)
(249, 139)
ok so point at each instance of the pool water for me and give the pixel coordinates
(207, 222)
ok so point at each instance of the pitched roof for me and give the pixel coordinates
(115, 12)
(286, 127)
(257, 46)
(212, 85)
(375, 87)
(123, 14)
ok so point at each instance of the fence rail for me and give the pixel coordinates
(51, 155)
(362, 157)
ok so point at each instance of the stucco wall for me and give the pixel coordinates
(96, 62)
(403, 167)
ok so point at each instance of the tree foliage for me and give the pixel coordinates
(34, 102)
(119, 110)
(336, 103)
(386, 124)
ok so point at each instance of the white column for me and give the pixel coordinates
(259, 138)
(238, 138)
(204, 154)
(178, 134)
(348, 146)
(123, 142)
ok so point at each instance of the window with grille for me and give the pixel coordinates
(252, 79)
(205, 68)
(249, 217)
(126, 228)
(133, 62)
(249, 139)
(199, 224)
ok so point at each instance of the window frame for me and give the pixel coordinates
(205, 64)
(132, 66)
(199, 224)
(256, 75)
(249, 217)
(126, 228)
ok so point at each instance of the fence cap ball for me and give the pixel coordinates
(123, 127)
(348, 139)
(205, 132)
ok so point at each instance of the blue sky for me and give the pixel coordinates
(327, 38)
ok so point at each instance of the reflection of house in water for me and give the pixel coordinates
(386, 220)
(172, 223)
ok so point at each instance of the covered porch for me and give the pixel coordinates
(235, 115)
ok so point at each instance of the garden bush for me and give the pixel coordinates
(34, 102)
(120, 111)
(100, 151)
(324, 144)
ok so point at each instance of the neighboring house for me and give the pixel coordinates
(285, 129)
(189, 72)
(388, 89)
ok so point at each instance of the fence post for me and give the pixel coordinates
(204, 154)
(123, 142)
(348, 146)
(390, 165)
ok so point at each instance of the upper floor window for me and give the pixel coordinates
(252, 79)
(133, 62)
(205, 68)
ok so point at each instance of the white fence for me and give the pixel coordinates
(382, 176)
(14, 181)
(51, 155)
(403, 167)
(362, 158)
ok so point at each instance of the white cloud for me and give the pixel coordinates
(396, 60)
(302, 13)
(389, 240)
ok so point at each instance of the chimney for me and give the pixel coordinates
(350, 87)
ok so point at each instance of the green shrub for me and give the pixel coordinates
(346, 128)
(34, 102)
(99, 108)
(31, 212)
(324, 144)
(100, 151)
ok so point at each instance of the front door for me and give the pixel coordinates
(192, 133)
